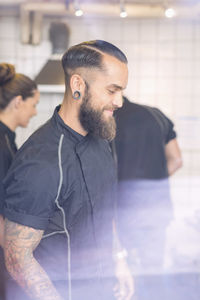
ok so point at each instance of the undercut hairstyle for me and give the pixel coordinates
(13, 84)
(89, 55)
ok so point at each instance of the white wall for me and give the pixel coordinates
(164, 65)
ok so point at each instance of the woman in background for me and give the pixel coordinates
(18, 99)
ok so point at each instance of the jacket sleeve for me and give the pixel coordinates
(30, 192)
(166, 124)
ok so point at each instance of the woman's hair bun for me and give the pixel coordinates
(7, 72)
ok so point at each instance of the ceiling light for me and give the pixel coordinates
(123, 12)
(170, 12)
(78, 12)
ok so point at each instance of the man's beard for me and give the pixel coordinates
(93, 121)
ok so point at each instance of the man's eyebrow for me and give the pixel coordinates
(116, 86)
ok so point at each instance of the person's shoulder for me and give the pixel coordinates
(159, 114)
(155, 111)
(2, 138)
(43, 133)
(128, 108)
(4, 150)
(41, 146)
(131, 106)
(147, 108)
(3, 144)
(34, 164)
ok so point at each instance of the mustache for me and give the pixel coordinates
(110, 107)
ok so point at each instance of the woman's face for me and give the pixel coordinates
(28, 109)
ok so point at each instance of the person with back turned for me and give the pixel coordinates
(147, 154)
(60, 190)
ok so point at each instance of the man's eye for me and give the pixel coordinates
(111, 92)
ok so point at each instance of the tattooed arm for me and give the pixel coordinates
(20, 242)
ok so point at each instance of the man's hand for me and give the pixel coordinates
(124, 289)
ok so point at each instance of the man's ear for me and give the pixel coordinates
(77, 84)
(17, 101)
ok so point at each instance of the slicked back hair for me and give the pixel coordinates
(89, 55)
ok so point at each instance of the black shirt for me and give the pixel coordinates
(142, 133)
(64, 183)
(143, 189)
(7, 151)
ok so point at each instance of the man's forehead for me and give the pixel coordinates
(113, 66)
(116, 73)
(108, 59)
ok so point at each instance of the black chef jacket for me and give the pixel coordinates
(142, 133)
(64, 183)
(7, 151)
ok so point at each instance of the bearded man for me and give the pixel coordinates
(60, 190)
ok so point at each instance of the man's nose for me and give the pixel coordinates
(35, 112)
(118, 101)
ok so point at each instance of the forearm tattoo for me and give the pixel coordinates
(20, 241)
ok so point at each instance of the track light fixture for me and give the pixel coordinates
(78, 10)
(123, 12)
(170, 12)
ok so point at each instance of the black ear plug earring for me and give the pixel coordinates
(76, 95)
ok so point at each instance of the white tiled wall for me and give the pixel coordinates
(163, 57)
(164, 66)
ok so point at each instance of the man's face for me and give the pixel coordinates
(28, 109)
(102, 96)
